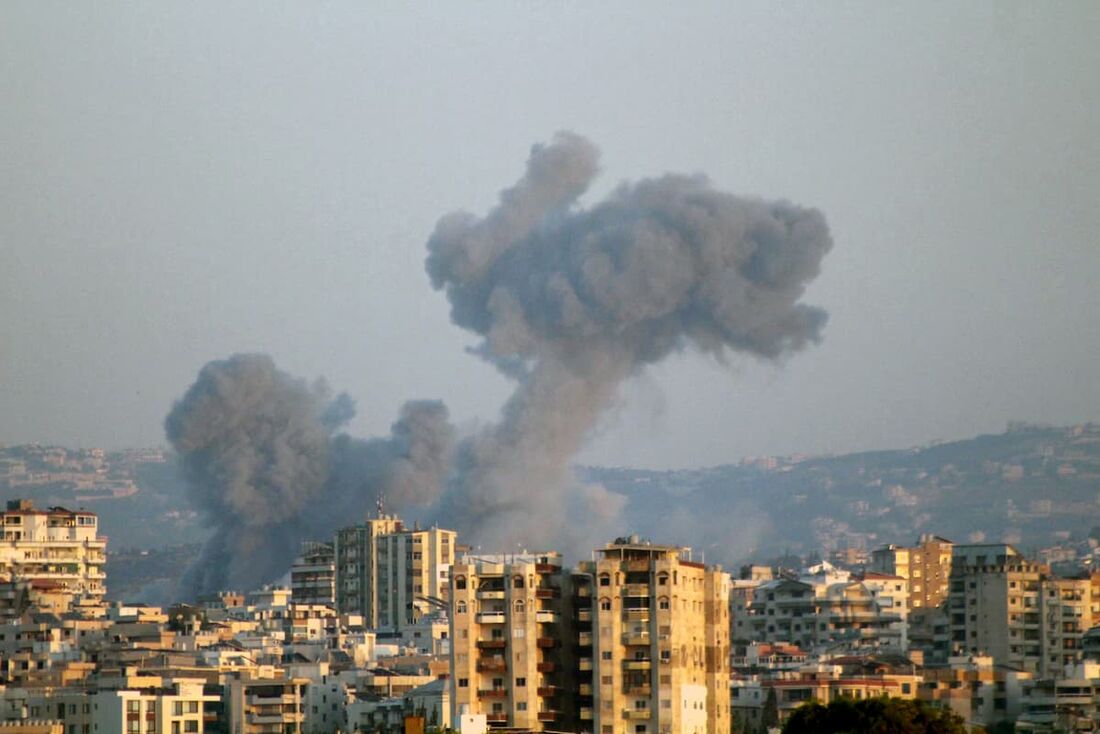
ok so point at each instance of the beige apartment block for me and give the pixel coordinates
(660, 641)
(54, 551)
(510, 641)
(926, 566)
(390, 574)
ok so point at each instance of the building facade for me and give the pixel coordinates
(660, 652)
(54, 551)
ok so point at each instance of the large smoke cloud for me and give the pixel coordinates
(267, 469)
(569, 302)
(572, 301)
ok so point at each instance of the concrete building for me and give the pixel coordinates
(660, 641)
(926, 566)
(54, 551)
(390, 574)
(509, 641)
(313, 575)
(256, 705)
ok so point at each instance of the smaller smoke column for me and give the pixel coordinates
(267, 470)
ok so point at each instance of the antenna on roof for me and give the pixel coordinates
(380, 506)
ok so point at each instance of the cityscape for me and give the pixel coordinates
(719, 367)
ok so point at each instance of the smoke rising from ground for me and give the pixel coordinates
(267, 469)
(569, 302)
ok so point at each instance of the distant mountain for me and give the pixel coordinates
(1032, 486)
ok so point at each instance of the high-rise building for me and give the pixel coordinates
(390, 574)
(926, 566)
(660, 641)
(313, 575)
(1013, 609)
(55, 549)
(510, 641)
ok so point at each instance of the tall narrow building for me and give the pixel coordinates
(510, 642)
(660, 641)
(390, 574)
(313, 575)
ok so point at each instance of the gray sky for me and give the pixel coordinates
(179, 182)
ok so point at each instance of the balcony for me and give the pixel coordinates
(585, 689)
(547, 691)
(637, 664)
(638, 690)
(497, 718)
(490, 618)
(584, 639)
(584, 664)
(546, 616)
(493, 693)
(582, 591)
(584, 615)
(545, 667)
(547, 715)
(491, 644)
(491, 594)
(547, 567)
(547, 593)
(494, 665)
(636, 638)
(637, 614)
(586, 713)
(546, 642)
(636, 590)
(636, 714)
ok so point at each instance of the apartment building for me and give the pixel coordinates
(510, 641)
(262, 705)
(390, 574)
(1006, 606)
(926, 566)
(54, 552)
(660, 641)
(825, 609)
(140, 704)
(313, 575)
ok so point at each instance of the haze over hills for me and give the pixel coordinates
(1032, 485)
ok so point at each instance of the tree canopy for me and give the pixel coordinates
(873, 716)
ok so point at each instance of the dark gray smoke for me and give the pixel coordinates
(571, 301)
(267, 469)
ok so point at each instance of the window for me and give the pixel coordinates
(132, 706)
(460, 608)
(605, 579)
(521, 682)
(605, 655)
(521, 706)
(662, 580)
(519, 605)
(605, 604)
(191, 725)
(517, 582)
(460, 582)
(663, 603)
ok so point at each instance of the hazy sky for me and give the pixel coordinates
(179, 182)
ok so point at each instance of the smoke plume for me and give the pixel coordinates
(267, 469)
(571, 301)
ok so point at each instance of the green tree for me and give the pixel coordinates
(875, 716)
